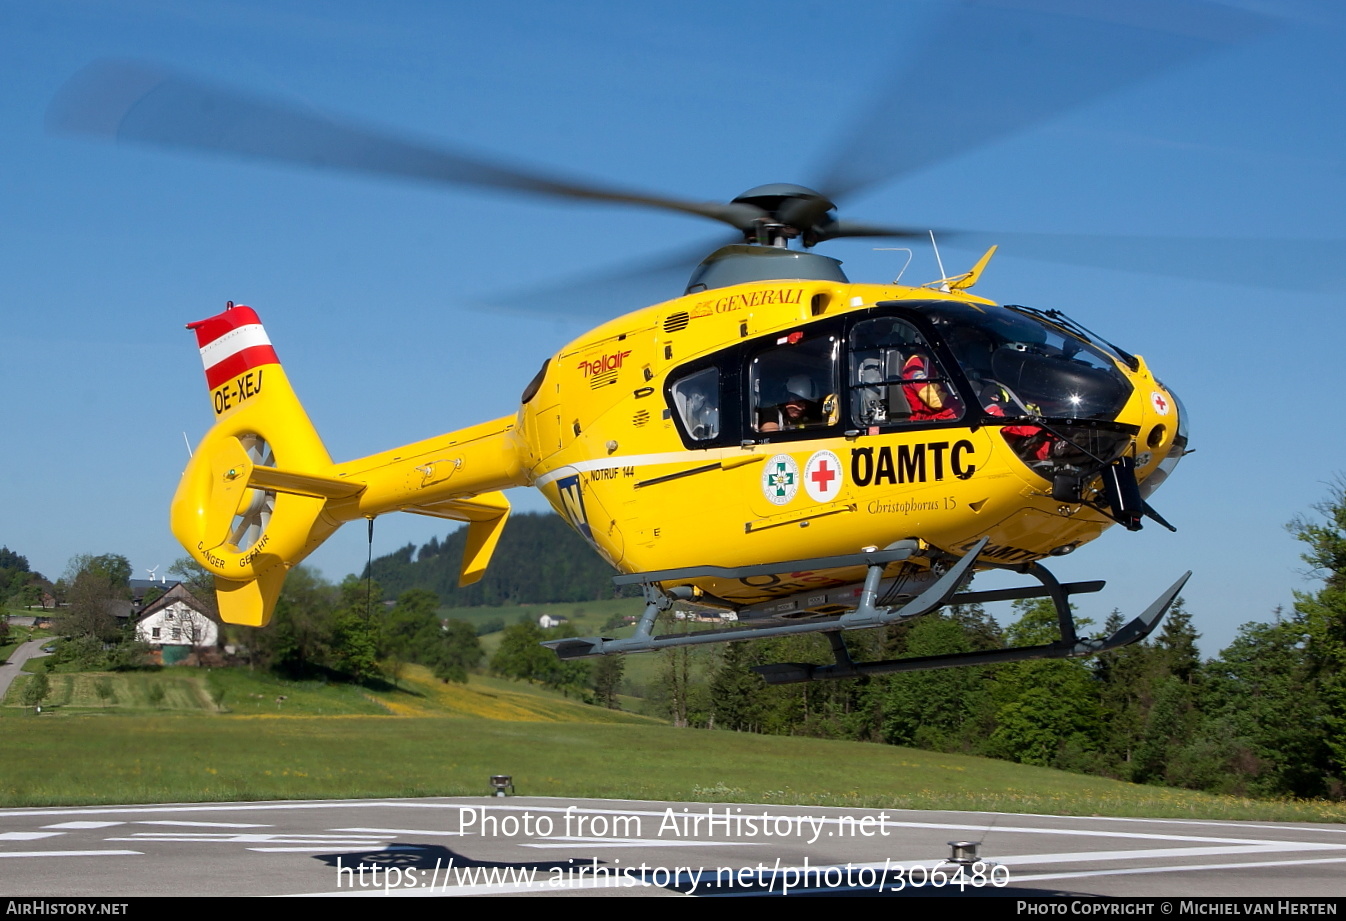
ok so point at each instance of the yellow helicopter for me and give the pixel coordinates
(804, 453)
(796, 451)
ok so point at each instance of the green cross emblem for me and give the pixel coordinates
(781, 479)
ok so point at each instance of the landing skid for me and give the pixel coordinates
(868, 613)
(1069, 646)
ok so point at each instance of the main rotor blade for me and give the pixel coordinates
(1300, 265)
(856, 229)
(605, 292)
(135, 102)
(996, 68)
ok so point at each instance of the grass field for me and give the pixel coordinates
(240, 692)
(124, 759)
(237, 735)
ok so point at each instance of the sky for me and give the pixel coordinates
(404, 309)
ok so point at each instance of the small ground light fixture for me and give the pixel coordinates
(502, 782)
(963, 853)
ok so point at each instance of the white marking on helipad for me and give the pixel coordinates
(108, 853)
(200, 824)
(1176, 869)
(28, 835)
(401, 831)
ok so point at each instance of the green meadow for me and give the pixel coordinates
(231, 734)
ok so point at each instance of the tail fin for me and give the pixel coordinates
(261, 492)
(244, 529)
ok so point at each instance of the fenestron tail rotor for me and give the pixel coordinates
(252, 518)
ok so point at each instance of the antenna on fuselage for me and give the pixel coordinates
(897, 249)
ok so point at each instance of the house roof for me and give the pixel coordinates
(177, 593)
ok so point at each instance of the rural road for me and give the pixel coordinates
(547, 846)
(14, 667)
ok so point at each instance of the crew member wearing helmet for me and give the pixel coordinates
(800, 409)
(929, 400)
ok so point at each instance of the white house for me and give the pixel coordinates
(176, 619)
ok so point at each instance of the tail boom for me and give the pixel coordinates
(261, 492)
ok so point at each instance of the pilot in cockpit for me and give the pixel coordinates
(800, 408)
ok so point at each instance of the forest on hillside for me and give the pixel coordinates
(539, 559)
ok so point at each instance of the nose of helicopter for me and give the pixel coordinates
(1165, 442)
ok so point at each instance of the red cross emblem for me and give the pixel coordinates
(823, 476)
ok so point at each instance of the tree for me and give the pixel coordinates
(13, 561)
(1151, 696)
(681, 690)
(103, 688)
(19, 586)
(735, 691)
(111, 566)
(1324, 614)
(608, 673)
(355, 633)
(1048, 710)
(457, 651)
(36, 690)
(519, 655)
(156, 694)
(1263, 690)
(1176, 644)
(676, 680)
(97, 587)
(413, 632)
(938, 709)
(411, 629)
(299, 638)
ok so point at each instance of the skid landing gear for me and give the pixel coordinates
(868, 613)
(1070, 645)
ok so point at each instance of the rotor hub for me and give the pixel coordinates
(787, 211)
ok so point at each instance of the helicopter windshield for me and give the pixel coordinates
(1019, 365)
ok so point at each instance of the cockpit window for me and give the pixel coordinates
(1023, 366)
(895, 378)
(697, 399)
(794, 384)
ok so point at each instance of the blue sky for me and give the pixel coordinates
(375, 291)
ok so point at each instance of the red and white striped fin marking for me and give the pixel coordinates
(234, 348)
(232, 343)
